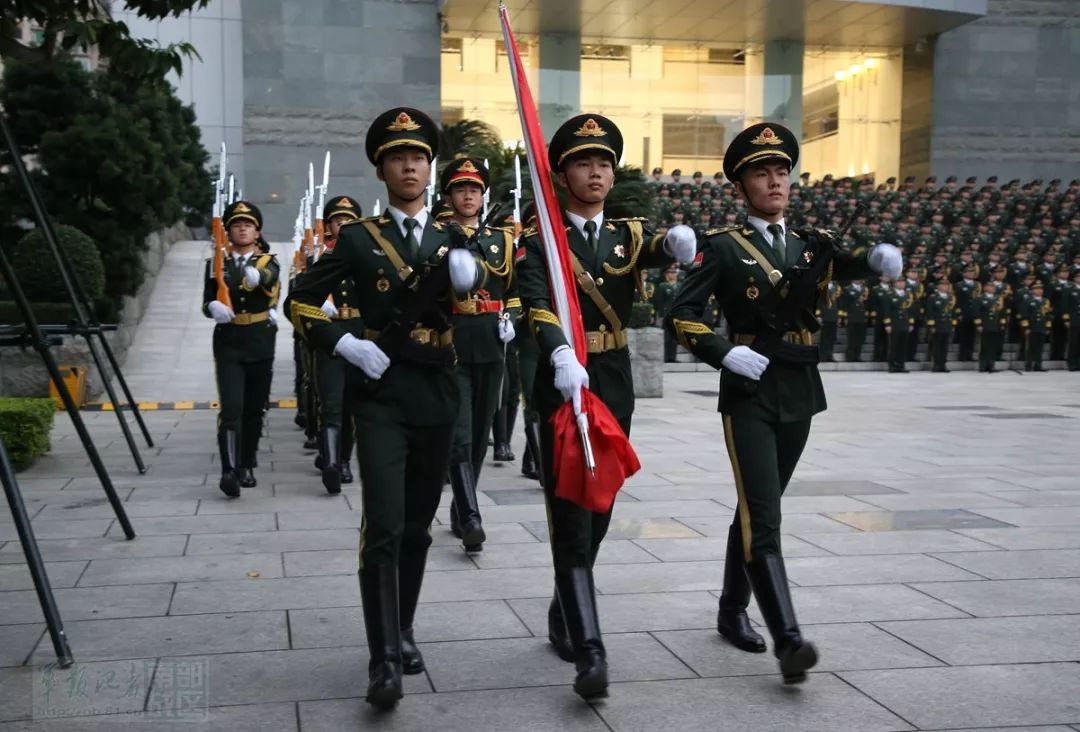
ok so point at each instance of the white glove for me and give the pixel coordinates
(743, 361)
(329, 308)
(273, 316)
(570, 375)
(681, 243)
(462, 270)
(506, 330)
(886, 259)
(363, 354)
(251, 276)
(220, 312)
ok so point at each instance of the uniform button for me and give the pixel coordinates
(600, 281)
(602, 327)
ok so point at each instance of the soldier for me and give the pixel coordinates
(1071, 305)
(606, 256)
(243, 343)
(770, 387)
(1058, 290)
(852, 313)
(897, 322)
(480, 338)
(404, 402)
(828, 314)
(992, 318)
(941, 312)
(342, 307)
(878, 299)
(918, 315)
(967, 290)
(1035, 321)
(665, 295)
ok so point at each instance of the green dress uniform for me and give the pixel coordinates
(766, 422)
(1057, 290)
(991, 322)
(852, 312)
(335, 437)
(1071, 306)
(941, 314)
(404, 420)
(608, 256)
(918, 317)
(481, 357)
(967, 290)
(243, 354)
(828, 313)
(879, 293)
(897, 318)
(664, 297)
(1036, 319)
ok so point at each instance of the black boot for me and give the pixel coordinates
(503, 453)
(576, 595)
(769, 580)
(464, 511)
(311, 441)
(379, 594)
(247, 478)
(557, 633)
(347, 442)
(731, 619)
(410, 578)
(250, 432)
(329, 439)
(530, 463)
(229, 483)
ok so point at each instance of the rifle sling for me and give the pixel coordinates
(588, 284)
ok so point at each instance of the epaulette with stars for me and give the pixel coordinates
(722, 229)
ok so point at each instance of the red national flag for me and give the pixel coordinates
(614, 457)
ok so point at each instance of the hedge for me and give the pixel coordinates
(38, 274)
(25, 424)
(642, 315)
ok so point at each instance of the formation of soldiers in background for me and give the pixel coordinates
(985, 265)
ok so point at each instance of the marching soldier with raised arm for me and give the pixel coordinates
(403, 390)
(606, 255)
(243, 343)
(480, 338)
(767, 279)
(342, 307)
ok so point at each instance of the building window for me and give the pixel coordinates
(693, 136)
(821, 113)
(605, 52)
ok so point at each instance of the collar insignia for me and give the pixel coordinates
(767, 137)
(590, 129)
(403, 123)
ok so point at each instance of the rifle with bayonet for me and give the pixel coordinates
(221, 239)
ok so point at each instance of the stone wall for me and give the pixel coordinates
(22, 373)
(1007, 93)
(316, 72)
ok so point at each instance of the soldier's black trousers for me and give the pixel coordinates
(898, 340)
(243, 389)
(1033, 355)
(1073, 354)
(401, 471)
(528, 357)
(479, 385)
(965, 339)
(1059, 337)
(330, 377)
(881, 343)
(671, 346)
(763, 456)
(989, 349)
(913, 343)
(827, 344)
(856, 337)
(939, 350)
(575, 532)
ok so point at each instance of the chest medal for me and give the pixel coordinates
(382, 284)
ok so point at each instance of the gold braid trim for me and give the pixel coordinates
(508, 259)
(513, 302)
(686, 328)
(539, 315)
(636, 240)
(301, 310)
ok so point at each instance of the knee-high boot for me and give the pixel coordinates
(769, 580)
(731, 619)
(379, 593)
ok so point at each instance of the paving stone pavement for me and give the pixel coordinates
(935, 555)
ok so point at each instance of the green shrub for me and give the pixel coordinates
(642, 315)
(25, 424)
(38, 274)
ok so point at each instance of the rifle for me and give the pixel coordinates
(517, 199)
(319, 236)
(221, 240)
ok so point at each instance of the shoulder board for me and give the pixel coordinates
(504, 229)
(629, 218)
(722, 230)
(531, 231)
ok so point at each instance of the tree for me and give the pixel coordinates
(83, 24)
